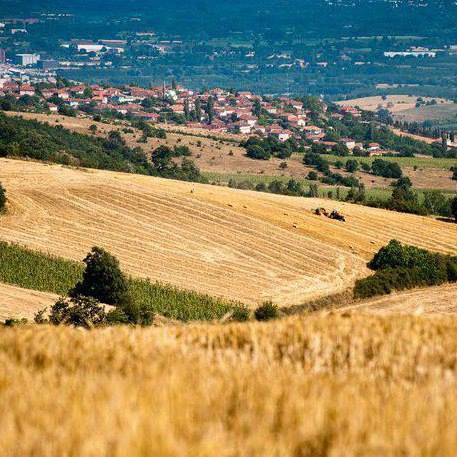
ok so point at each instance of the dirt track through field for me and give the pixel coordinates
(241, 245)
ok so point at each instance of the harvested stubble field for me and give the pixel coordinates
(394, 103)
(242, 245)
(17, 302)
(326, 385)
(430, 300)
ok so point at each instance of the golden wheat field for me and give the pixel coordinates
(242, 245)
(323, 385)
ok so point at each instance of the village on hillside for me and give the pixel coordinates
(213, 111)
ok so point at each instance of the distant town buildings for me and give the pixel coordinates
(25, 60)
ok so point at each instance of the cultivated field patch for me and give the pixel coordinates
(241, 245)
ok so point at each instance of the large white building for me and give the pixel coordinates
(27, 59)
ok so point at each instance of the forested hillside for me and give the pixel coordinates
(41, 141)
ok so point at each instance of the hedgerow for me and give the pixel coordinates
(399, 267)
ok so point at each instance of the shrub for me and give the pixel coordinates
(266, 312)
(401, 267)
(12, 322)
(436, 203)
(312, 176)
(240, 314)
(404, 199)
(385, 281)
(313, 191)
(454, 208)
(257, 152)
(356, 195)
(395, 255)
(164, 166)
(386, 169)
(352, 165)
(2, 198)
(131, 313)
(317, 161)
(102, 279)
(181, 151)
(451, 267)
(340, 149)
(264, 148)
(40, 141)
(294, 187)
(78, 311)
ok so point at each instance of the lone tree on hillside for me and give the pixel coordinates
(2, 198)
(102, 279)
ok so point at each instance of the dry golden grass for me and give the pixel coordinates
(430, 300)
(242, 245)
(318, 386)
(394, 103)
(17, 302)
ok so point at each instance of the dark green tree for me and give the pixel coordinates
(257, 108)
(436, 203)
(187, 110)
(2, 198)
(88, 92)
(454, 208)
(198, 109)
(102, 279)
(161, 158)
(340, 149)
(294, 187)
(210, 109)
(80, 311)
(352, 165)
(254, 151)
